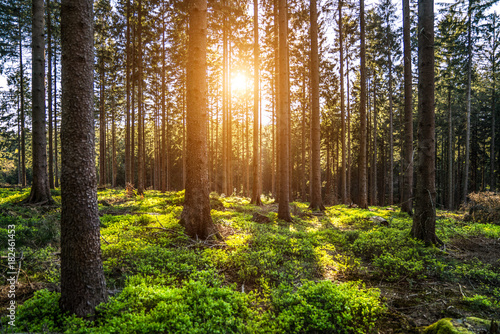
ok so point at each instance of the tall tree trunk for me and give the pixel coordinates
(363, 195)
(224, 100)
(184, 152)
(303, 179)
(277, 93)
(49, 94)
(391, 139)
(374, 164)
(407, 186)
(128, 157)
(284, 197)
(140, 115)
(493, 183)
(450, 153)
(469, 88)
(348, 185)
(424, 220)
(256, 191)
(114, 163)
(40, 191)
(132, 100)
(102, 127)
(343, 182)
(316, 200)
(83, 285)
(56, 165)
(163, 155)
(195, 216)
(21, 94)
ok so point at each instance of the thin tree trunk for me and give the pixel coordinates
(450, 153)
(283, 208)
(256, 153)
(493, 182)
(374, 164)
(469, 88)
(114, 162)
(140, 116)
(56, 165)
(49, 94)
(40, 191)
(128, 157)
(163, 155)
(102, 127)
(391, 139)
(21, 93)
(348, 186)
(363, 195)
(303, 141)
(83, 285)
(343, 182)
(407, 186)
(224, 100)
(316, 200)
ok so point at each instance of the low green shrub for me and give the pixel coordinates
(322, 307)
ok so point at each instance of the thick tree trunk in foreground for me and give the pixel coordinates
(83, 285)
(40, 192)
(424, 220)
(316, 200)
(284, 175)
(256, 191)
(407, 186)
(195, 216)
(363, 194)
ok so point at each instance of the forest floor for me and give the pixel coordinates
(334, 272)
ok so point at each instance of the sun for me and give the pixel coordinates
(239, 82)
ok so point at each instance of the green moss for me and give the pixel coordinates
(445, 326)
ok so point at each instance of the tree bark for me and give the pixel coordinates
(21, 93)
(469, 88)
(56, 163)
(407, 186)
(494, 38)
(316, 200)
(424, 220)
(363, 195)
(40, 191)
(102, 127)
(343, 182)
(450, 153)
(391, 138)
(163, 155)
(256, 191)
(284, 197)
(140, 115)
(195, 216)
(128, 157)
(49, 95)
(374, 164)
(83, 284)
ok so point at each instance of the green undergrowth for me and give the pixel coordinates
(317, 274)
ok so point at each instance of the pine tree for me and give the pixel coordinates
(83, 285)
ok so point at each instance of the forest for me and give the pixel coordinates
(262, 166)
